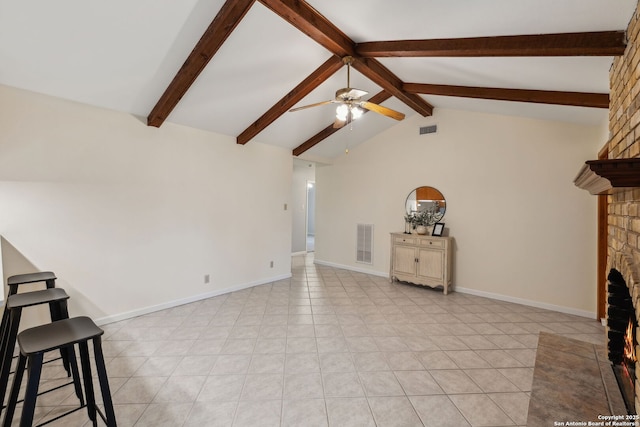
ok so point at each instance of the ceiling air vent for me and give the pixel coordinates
(428, 129)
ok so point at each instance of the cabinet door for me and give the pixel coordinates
(404, 260)
(431, 264)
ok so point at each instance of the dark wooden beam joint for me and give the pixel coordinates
(308, 20)
(601, 43)
(602, 176)
(383, 77)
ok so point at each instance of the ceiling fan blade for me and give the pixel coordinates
(312, 105)
(382, 110)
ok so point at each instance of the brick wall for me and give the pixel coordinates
(624, 142)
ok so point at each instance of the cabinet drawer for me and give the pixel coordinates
(405, 240)
(432, 243)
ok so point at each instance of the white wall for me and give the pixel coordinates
(522, 230)
(132, 217)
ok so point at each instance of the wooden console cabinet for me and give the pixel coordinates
(422, 260)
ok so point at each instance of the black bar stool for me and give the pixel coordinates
(34, 342)
(57, 300)
(22, 279)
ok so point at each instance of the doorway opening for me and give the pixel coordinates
(311, 216)
(303, 207)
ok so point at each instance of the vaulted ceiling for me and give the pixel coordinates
(237, 67)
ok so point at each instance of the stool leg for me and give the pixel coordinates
(58, 311)
(15, 389)
(4, 325)
(75, 373)
(34, 369)
(7, 351)
(88, 382)
(104, 382)
(4, 337)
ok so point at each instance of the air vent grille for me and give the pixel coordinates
(428, 129)
(364, 246)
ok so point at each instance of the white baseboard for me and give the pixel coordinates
(499, 297)
(530, 303)
(182, 301)
(351, 268)
(298, 253)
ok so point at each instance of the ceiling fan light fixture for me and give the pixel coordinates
(341, 112)
(356, 112)
(350, 106)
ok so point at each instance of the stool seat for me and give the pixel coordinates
(43, 296)
(54, 335)
(21, 279)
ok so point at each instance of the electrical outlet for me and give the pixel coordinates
(207, 278)
(271, 264)
(285, 206)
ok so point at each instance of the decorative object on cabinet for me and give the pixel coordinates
(425, 206)
(421, 229)
(408, 223)
(421, 260)
(438, 228)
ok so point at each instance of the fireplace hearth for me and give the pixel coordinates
(622, 325)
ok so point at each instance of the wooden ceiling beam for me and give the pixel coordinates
(314, 80)
(330, 130)
(601, 43)
(218, 31)
(308, 20)
(305, 18)
(579, 99)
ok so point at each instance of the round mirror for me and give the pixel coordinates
(429, 201)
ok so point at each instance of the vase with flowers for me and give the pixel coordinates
(420, 221)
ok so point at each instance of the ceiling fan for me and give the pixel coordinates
(351, 107)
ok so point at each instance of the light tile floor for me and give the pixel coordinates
(327, 347)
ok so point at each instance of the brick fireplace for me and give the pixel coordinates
(623, 220)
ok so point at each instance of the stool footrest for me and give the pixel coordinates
(61, 415)
(40, 393)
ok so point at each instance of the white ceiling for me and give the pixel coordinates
(122, 54)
